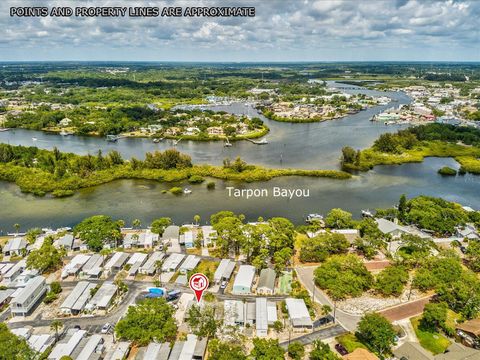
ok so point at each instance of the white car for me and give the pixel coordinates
(106, 328)
(223, 285)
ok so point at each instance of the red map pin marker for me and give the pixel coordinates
(198, 283)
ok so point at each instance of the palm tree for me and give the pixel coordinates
(17, 227)
(136, 223)
(56, 325)
(196, 218)
(105, 252)
(158, 269)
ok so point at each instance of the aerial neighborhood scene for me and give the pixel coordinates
(240, 180)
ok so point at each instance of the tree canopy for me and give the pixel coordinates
(267, 349)
(46, 259)
(97, 231)
(377, 332)
(343, 276)
(149, 320)
(13, 347)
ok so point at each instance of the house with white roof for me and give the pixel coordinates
(298, 314)
(103, 297)
(224, 271)
(189, 264)
(244, 280)
(28, 297)
(150, 265)
(15, 246)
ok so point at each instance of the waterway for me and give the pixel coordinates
(311, 146)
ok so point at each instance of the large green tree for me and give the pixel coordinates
(339, 219)
(377, 332)
(343, 276)
(322, 351)
(391, 280)
(202, 320)
(149, 320)
(267, 349)
(47, 258)
(97, 231)
(219, 350)
(13, 347)
(158, 226)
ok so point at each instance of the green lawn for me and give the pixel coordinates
(350, 342)
(436, 343)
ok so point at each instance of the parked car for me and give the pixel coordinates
(341, 349)
(106, 328)
(223, 285)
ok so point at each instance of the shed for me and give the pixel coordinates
(243, 280)
(266, 282)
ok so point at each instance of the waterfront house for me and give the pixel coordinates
(15, 246)
(187, 239)
(28, 297)
(298, 314)
(266, 282)
(244, 280)
(209, 235)
(75, 265)
(391, 228)
(66, 241)
(65, 122)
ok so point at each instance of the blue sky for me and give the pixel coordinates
(282, 30)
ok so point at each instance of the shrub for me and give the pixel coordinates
(211, 185)
(176, 190)
(195, 179)
(447, 171)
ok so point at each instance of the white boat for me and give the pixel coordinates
(157, 140)
(66, 133)
(34, 139)
(227, 143)
(367, 213)
(187, 191)
(262, 142)
(4, 129)
(314, 217)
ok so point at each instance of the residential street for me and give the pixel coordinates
(305, 276)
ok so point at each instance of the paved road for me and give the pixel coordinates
(405, 311)
(305, 276)
(322, 334)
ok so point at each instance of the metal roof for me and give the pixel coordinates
(137, 258)
(172, 261)
(171, 232)
(221, 269)
(190, 263)
(117, 260)
(267, 279)
(103, 296)
(72, 298)
(32, 285)
(244, 277)
(90, 347)
(149, 266)
(82, 300)
(298, 312)
(261, 314)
